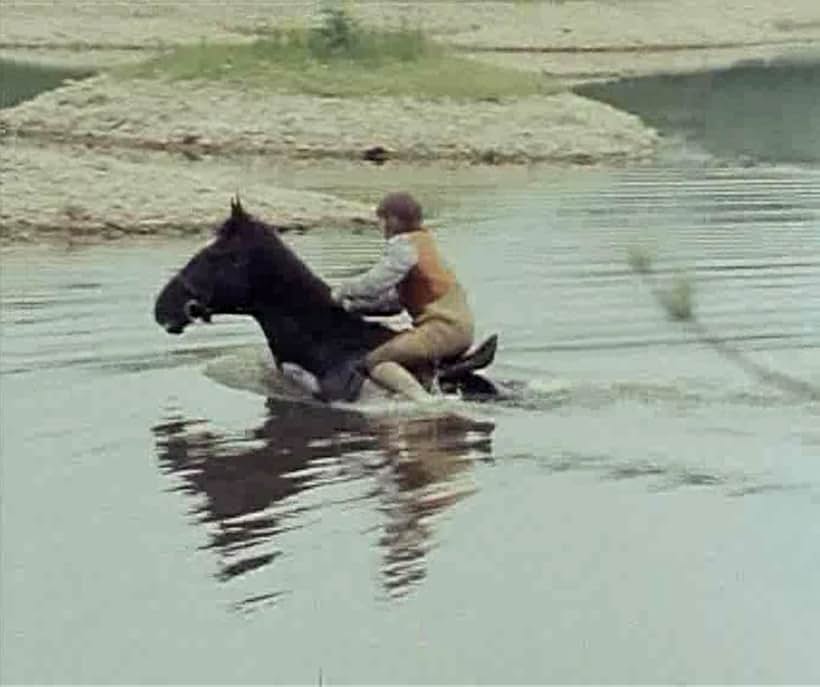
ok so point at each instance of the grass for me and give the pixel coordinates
(339, 58)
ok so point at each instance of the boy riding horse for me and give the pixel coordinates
(412, 276)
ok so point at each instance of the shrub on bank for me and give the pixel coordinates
(338, 36)
(338, 57)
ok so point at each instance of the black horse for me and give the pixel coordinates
(248, 270)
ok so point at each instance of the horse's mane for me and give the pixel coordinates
(298, 291)
(264, 239)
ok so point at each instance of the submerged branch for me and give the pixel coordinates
(679, 307)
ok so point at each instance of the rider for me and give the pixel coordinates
(411, 276)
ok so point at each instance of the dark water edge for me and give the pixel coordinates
(749, 113)
(21, 81)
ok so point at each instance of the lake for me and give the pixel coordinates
(640, 508)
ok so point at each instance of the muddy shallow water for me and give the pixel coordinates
(639, 509)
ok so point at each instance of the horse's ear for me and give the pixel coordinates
(237, 211)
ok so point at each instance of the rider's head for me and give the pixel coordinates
(399, 213)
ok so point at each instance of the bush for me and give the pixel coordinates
(340, 58)
(338, 36)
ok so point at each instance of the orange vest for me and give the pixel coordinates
(429, 279)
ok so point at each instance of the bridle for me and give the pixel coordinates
(197, 306)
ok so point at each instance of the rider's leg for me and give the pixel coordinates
(445, 329)
(422, 346)
(393, 377)
(388, 364)
(414, 349)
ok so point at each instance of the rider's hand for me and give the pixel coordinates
(337, 297)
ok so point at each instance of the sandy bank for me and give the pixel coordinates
(71, 193)
(68, 193)
(575, 31)
(105, 157)
(220, 118)
(606, 65)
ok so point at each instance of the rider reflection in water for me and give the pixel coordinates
(411, 276)
(251, 495)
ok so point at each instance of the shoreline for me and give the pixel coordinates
(199, 118)
(60, 194)
(68, 151)
(135, 140)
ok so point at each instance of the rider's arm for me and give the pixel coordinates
(379, 281)
(387, 303)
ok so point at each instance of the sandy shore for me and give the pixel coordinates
(578, 30)
(571, 24)
(58, 193)
(103, 157)
(207, 117)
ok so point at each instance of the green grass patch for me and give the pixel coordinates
(343, 62)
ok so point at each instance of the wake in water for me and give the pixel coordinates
(252, 369)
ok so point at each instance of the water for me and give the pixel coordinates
(640, 509)
(20, 81)
(752, 112)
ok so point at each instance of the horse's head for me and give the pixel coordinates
(216, 280)
(248, 270)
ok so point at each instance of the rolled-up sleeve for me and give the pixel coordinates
(386, 302)
(398, 259)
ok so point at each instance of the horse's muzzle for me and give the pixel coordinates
(173, 309)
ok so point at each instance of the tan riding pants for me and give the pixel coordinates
(444, 329)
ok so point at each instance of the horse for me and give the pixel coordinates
(247, 269)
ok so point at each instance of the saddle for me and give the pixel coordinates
(344, 382)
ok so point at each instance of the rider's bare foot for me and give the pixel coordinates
(393, 377)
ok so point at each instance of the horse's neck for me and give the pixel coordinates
(299, 319)
(287, 339)
(316, 340)
(278, 268)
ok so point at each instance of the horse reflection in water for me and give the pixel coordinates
(255, 485)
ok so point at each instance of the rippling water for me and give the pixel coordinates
(639, 507)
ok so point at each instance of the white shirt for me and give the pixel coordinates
(376, 288)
